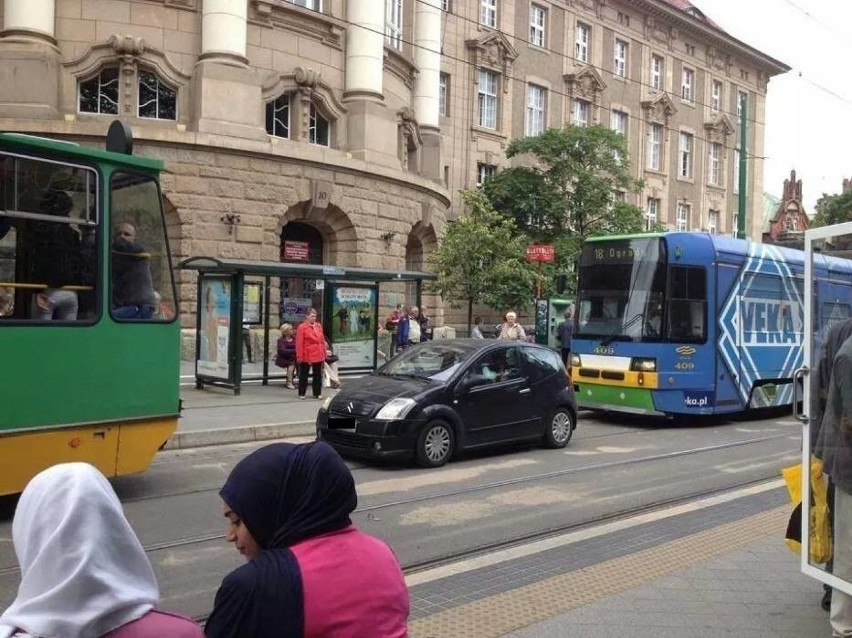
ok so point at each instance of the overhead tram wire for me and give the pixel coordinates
(563, 94)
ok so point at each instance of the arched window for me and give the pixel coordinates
(157, 100)
(319, 130)
(100, 93)
(278, 116)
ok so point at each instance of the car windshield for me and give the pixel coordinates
(434, 361)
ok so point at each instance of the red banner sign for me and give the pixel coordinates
(540, 252)
(296, 250)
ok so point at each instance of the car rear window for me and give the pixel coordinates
(542, 363)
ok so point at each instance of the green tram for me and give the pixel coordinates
(89, 337)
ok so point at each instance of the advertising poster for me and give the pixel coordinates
(214, 328)
(294, 309)
(252, 303)
(353, 325)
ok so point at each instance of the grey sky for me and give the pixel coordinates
(807, 116)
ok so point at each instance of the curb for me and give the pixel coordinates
(244, 434)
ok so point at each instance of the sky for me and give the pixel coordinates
(809, 109)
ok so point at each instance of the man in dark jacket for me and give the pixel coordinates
(564, 332)
(133, 294)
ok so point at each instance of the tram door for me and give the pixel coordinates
(827, 407)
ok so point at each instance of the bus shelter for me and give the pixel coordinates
(235, 295)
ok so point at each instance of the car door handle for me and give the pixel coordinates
(524, 391)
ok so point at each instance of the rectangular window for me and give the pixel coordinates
(581, 46)
(484, 172)
(736, 170)
(581, 113)
(657, 68)
(655, 144)
(682, 217)
(685, 159)
(393, 29)
(100, 93)
(314, 5)
(319, 128)
(445, 6)
(278, 116)
(444, 95)
(713, 222)
(538, 22)
(142, 287)
(714, 165)
(618, 123)
(157, 100)
(620, 61)
(487, 102)
(687, 81)
(624, 19)
(686, 314)
(48, 241)
(652, 213)
(536, 100)
(740, 96)
(488, 13)
(716, 96)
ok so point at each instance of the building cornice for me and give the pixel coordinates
(686, 22)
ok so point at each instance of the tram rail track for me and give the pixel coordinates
(491, 485)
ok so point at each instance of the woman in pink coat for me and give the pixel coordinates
(310, 354)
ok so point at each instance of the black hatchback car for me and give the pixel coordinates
(439, 397)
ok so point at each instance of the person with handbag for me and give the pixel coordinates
(310, 354)
(329, 367)
(286, 354)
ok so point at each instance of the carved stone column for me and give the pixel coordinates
(226, 90)
(29, 60)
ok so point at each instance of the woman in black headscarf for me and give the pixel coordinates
(310, 572)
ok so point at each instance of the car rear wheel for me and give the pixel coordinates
(435, 444)
(560, 428)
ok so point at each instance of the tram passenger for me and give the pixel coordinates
(133, 295)
(83, 571)
(62, 259)
(310, 572)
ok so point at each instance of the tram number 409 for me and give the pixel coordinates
(685, 365)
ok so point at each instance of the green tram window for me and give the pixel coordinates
(48, 241)
(142, 288)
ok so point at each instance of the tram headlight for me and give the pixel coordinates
(575, 360)
(641, 364)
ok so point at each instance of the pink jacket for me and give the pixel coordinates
(353, 586)
(158, 624)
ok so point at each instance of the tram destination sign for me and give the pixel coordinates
(540, 252)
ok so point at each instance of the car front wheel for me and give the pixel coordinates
(435, 444)
(559, 429)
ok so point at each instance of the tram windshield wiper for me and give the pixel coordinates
(617, 334)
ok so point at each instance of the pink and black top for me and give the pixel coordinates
(317, 576)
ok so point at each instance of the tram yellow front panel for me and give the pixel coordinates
(114, 448)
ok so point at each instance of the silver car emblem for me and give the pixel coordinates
(350, 406)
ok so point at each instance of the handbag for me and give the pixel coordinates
(819, 528)
(332, 358)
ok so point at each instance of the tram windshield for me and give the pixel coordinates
(622, 290)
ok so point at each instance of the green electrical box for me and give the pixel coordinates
(549, 313)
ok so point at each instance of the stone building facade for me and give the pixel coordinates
(789, 221)
(355, 124)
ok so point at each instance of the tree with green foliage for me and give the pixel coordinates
(833, 209)
(481, 259)
(570, 191)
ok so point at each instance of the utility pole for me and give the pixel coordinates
(741, 215)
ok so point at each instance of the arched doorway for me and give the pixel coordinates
(304, 244)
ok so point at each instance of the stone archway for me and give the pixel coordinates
(339, 236)
(422, 240)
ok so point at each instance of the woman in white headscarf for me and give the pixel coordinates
(84, 573)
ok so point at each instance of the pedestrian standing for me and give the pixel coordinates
(409, 329)
(310, 354)
(511, 330)
(564, 332)
(476, 331)
(286, 355)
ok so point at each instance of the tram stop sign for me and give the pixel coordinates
(540, 252)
